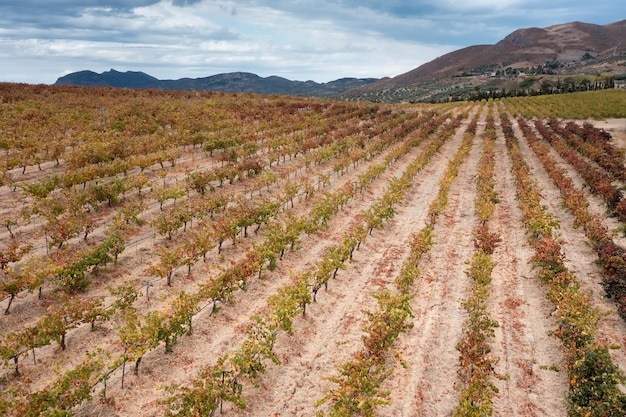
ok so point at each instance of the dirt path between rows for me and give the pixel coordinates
(529, 358)
(332, 328)
(216, 335)
(426, 385)
(522, 342)
(580, 256)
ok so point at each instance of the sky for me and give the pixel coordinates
(319, 40)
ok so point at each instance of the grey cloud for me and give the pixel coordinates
(56, 13)
(303, 39)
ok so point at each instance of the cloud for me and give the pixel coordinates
(298, 39)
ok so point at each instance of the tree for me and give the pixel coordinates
(321, 276)
(289, 302)
(250, 358)
(43, 187)
(245, 216)
(115, 244)
(291, 190)
(55, 324)
(40, 270)
(166, 224)
(61, 229)
(130, 212)
(94, 311)
(138, 182)
(200, 181)
(292, 229)
(125, 295)
(224, 228)
(174, 321)
(372, 219)
(68, 314)
(11, 283)
(168, 193)
(109, 191)
(359, 388)
(168, 261)
(184, 307)
(71, 271)
(203, 241)
(9, 223)
(268, 178)
(67, 391)
(189, 253)
(264, 211)
(198, 400)
(10, 350)
(31, 338)
(336, 257)
(210, 388)
(137, 338)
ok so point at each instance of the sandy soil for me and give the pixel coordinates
(331, 330)
(293, 388)
(522, 342)
(581, 257)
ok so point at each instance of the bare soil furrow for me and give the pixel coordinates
(140, 248)
(581, 258)
(426, 385)
(215, 335)
(525, 350)
(332, 327)
(302, 157)
(597, 205)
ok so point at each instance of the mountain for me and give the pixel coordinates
(235, 82)
(566, 49)
(558, 58)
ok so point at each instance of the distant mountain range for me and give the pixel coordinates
(525, 59)
(235, 82)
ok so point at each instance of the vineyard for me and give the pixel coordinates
(197, 254)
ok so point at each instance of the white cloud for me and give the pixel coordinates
(305, 39)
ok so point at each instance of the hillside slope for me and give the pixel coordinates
(567, 48)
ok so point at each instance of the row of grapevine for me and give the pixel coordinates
(74, 268)
(158, 326)
(173, 279)
(68, 269)
(476, 365)
(599, 104)
(598, 180)
(593, 377)
(611, 256)
(231, 225)
(594, 144)
(113, 189)
(110, 190)
(171, 222)
(223, 381)
(111, 122)
(360, 380)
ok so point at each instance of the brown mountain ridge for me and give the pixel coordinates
(568, 48)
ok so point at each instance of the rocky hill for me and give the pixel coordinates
(561, 50)
(236, 82)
